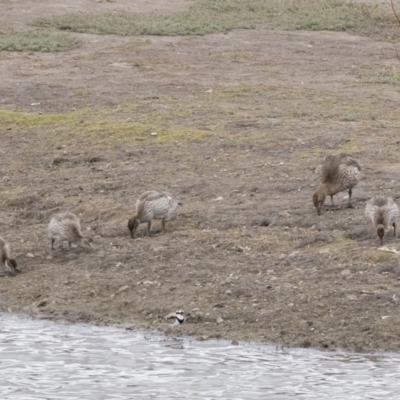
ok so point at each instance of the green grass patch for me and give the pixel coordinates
(103, 126)
(386, 76)
(214, 16)
(36, 40)
(32, 120)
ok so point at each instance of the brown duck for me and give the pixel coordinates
(337, 173)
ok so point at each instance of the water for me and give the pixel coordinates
(47, 360)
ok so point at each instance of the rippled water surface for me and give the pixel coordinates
(47, 360)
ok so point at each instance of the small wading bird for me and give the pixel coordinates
(337, 173)
(9, 263)
(382, 212)
(179, 319)
(66, 226)
(152, 205)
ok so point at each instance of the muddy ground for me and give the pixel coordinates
(241, 121)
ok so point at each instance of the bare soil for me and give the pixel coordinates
(247, 245)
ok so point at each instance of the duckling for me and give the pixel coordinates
(383, 212)
(66, 226)
(152, 205)
(9, 263)
(337, 173)
(179, 319)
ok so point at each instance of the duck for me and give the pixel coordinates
(9, 263)
(337, 173)
(66, 226)
(153, 205)
(382, 212)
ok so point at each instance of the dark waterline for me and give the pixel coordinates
(47, 360)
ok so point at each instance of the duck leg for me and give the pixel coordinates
(52, 244)
(332, 206)
(148, 228)
(350, 193)
(163, 225)
(394, 227)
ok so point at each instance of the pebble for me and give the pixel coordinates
(30, 255)
(123, 289)
(220, 320)
(324, 251)
(42, 303)
(235, 343)
(228, 292)
(345, 272)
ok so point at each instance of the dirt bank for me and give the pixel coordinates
(241, 120)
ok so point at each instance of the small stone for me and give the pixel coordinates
(351, 297)
(59, 160)
(42, 303)
(49, 257)
(220, 320)
(345, 272)
(229, 292)
(153, 133)
(95, 159)
(30, 255)
(6, 179)
(123, 289)
(324, 251)
(235, 343)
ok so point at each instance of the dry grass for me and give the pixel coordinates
(214, 16)
(36, 40)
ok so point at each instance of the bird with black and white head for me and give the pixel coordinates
(179, 319)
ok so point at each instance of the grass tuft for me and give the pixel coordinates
(36, 40)
(386, 76)
(102, 127)
(214, 16)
